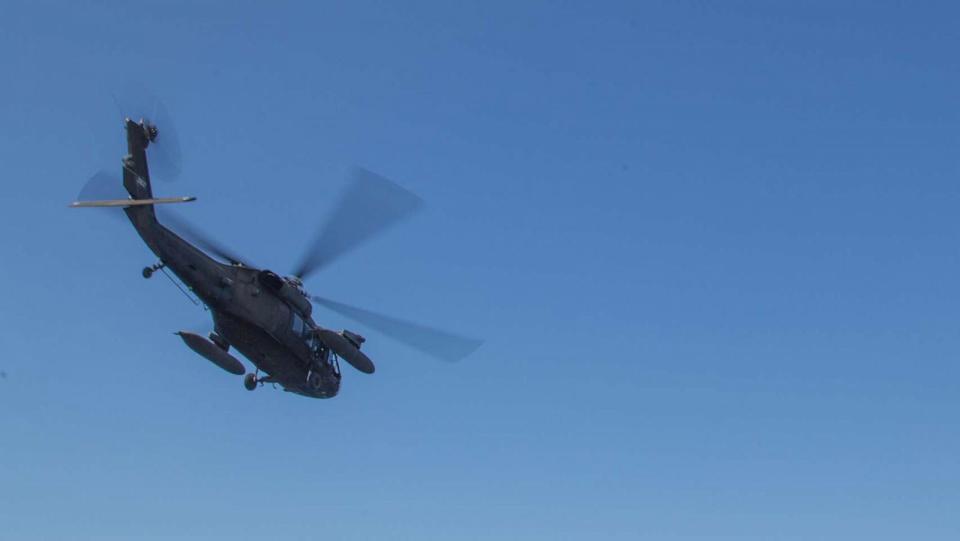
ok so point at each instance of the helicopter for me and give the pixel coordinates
(265, 316)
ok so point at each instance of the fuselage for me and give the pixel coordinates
(250, 312)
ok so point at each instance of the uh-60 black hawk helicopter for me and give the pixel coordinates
(265, 316)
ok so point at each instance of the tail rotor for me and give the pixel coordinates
(137, 103)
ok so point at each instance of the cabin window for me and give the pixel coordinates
(313, 343)
(297, 325)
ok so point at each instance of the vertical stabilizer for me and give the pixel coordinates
(136, 176)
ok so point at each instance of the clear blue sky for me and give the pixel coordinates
(712, 247)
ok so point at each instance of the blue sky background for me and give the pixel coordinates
(712, 248)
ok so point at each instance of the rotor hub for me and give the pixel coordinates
(150, 131)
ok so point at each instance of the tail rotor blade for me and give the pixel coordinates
(167, 157)
(102, 185)
(434, 342)
(137, 103)
(368, 207)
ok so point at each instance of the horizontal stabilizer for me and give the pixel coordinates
(131, 202)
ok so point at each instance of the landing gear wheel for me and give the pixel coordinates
(148, 271)
(250, 382)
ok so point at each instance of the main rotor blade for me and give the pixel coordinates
(106, 186)
(434, 342)
(191, 232)
(370, 205)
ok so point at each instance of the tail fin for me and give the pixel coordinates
(136, 178)
(136, 175)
